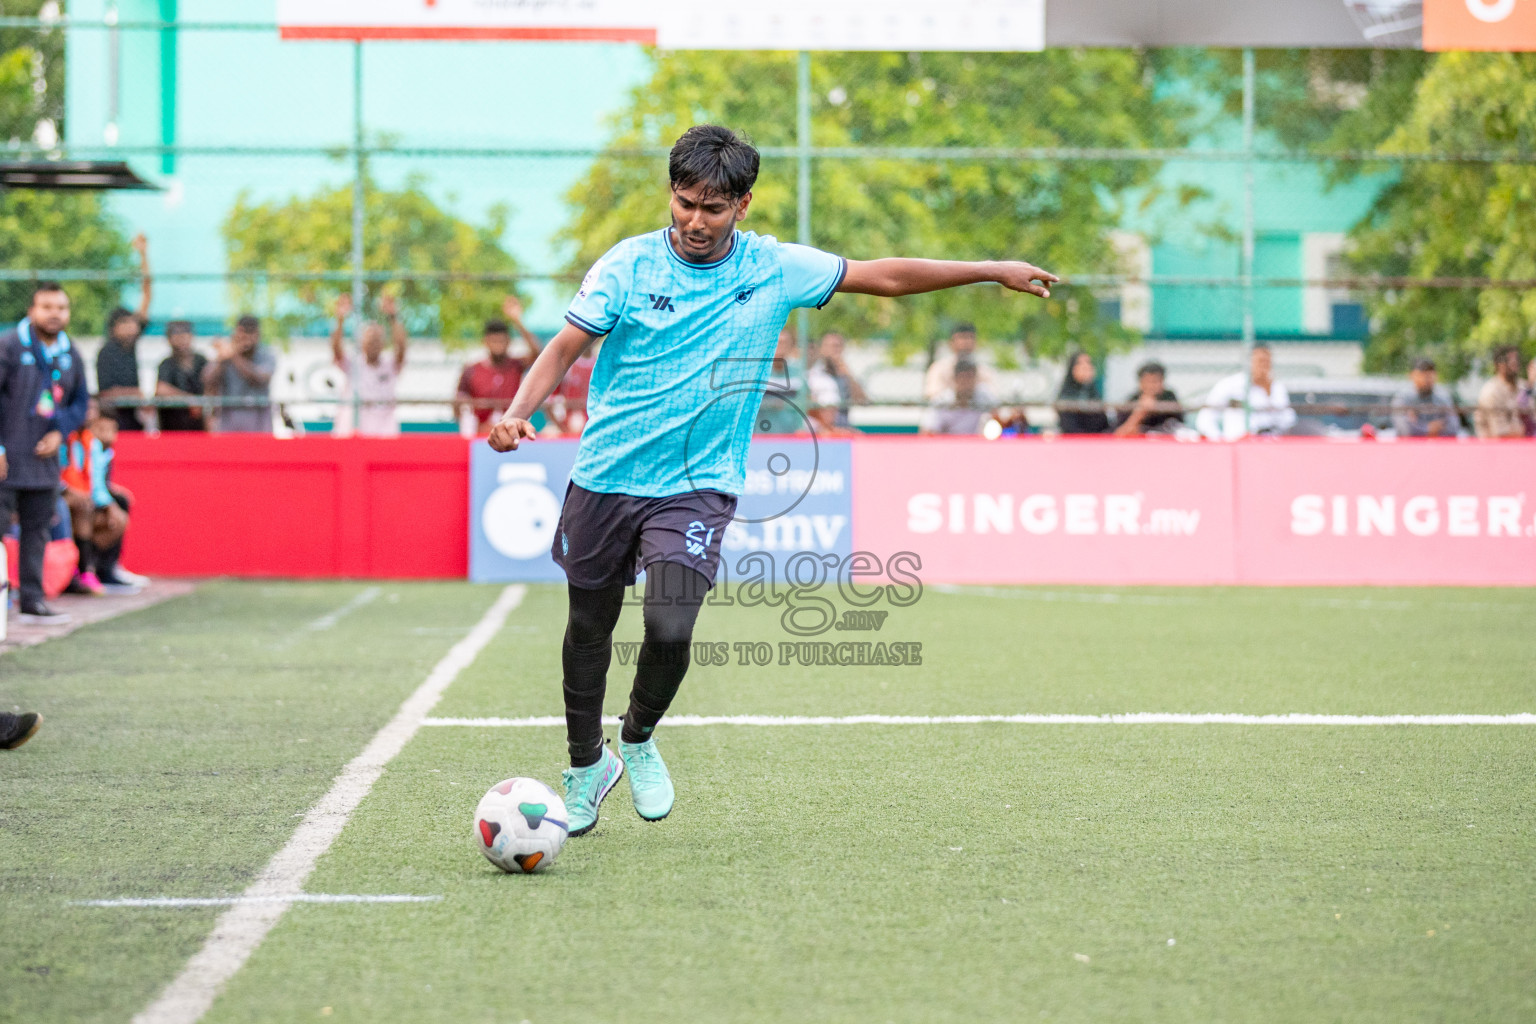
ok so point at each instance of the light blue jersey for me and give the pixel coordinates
(688, 357)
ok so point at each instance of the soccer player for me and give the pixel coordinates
(664, 453)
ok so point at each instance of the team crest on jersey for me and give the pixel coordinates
(745, 294)
(590, 280)
(697, 538)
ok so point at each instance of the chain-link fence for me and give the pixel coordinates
(1195, 201)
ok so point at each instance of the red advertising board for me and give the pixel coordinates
(1404, 513)
(251, 505)
(1295, 511)
(1072, 510)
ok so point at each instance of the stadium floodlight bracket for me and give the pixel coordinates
(70, 175)
(1389, 23)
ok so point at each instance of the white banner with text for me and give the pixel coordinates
(981, 25)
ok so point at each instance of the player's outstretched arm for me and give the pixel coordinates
(901, 276)
(540, 382)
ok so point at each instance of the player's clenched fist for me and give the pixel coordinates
(510, 432)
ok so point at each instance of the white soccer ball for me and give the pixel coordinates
(521, 825)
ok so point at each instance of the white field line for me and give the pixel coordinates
(1137, 718)
(241, 928)
(234, 901)
(328, 621)
(363, 597)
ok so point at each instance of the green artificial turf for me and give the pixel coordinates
(179, 747)
(841, 873)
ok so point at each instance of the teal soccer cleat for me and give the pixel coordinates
(585, 789)
(649, 783)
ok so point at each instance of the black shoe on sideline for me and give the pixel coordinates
(40, 614)
(17, 729)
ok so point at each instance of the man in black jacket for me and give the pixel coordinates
(43, 399)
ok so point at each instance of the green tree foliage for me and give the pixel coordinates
(1327, 101)
(61, 231)
(1057, 214)
(28, 58)
(1457, 219)
(49, 230)
(405, 230)
(1431, 220)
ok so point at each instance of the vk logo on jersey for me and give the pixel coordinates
(697, 538)
(661, 302)
(744, 295)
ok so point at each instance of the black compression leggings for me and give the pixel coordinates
(673, 595)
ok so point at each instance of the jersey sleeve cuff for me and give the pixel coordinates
(842, 272)
(586, 325)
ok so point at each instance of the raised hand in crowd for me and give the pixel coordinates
(512, 309)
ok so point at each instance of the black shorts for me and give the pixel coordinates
(609, 538)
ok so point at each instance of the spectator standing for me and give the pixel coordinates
(832, 385)
(961, 408)
(1498, 404)
(1423, 408)
(181, 376)
(369, 388)
(43, 399)
(782, 409)
(941, 374)
(242, 369)
(117, 363)
(1155, 409)
(1082, 384)
(495, 379)
(1248, 403)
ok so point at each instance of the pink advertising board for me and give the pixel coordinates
(1070, 510)
(1295, 511)
(1447, 512)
